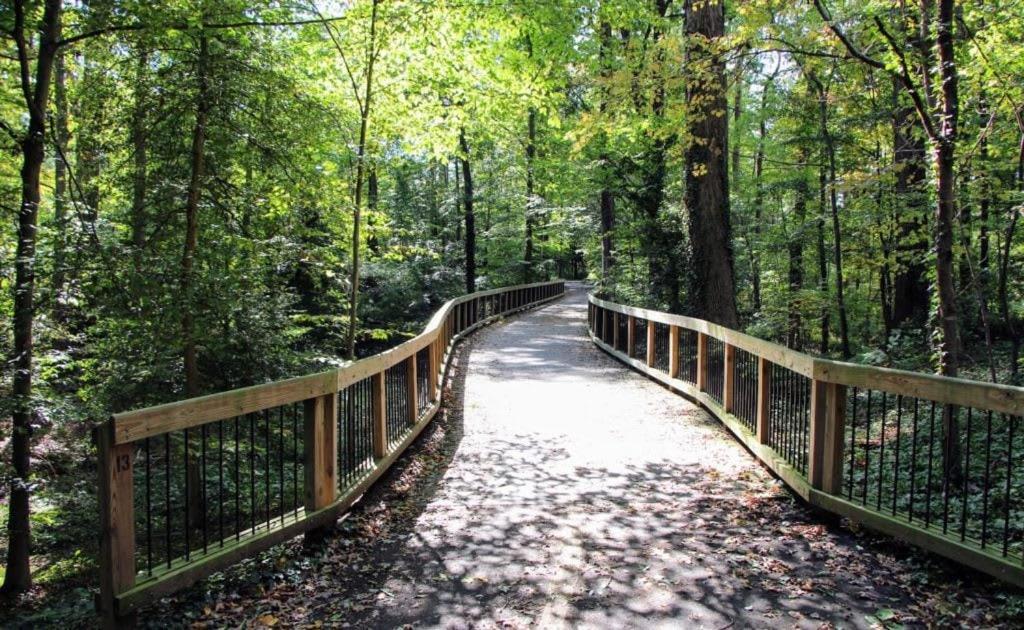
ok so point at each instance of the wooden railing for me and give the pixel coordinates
(936, 461)
(191, 487)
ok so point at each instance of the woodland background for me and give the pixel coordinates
(233, 192)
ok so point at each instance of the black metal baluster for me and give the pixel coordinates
(988, 473)
(1009, 483)
(167, 496)
(867, 446)
(966, 475)
(149, 511)
(931, 456)
(280, 461)
(913, 462)
(295, 457)
(946, 466)
(266, 464)
(238, 485)
(202, 459)
(252, 472)
(896, 464)
(881, 454)
(220, 479)
(188, 499)
(853, 446)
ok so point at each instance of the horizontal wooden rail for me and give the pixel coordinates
(192, 487)
(936, 461)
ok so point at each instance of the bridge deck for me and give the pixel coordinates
(561, 489)
(578, 492)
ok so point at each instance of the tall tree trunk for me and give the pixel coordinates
(607, 197)
(531, 154)
(1004, 261)
(755, 260)
(837, 241)
(470, 218)
(372, 197)
(985, 203)
(139, 144)
(195, 189)
(945, 164)
(823, 260)
(60, 191)
(707, 177)
(796, 255)
(364, 120)
(910, 283)
(18, 577)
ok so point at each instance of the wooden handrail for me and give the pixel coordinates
(816, 472)
(123, 437)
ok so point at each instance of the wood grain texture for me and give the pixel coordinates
(321, 451)
(764, 399)
(117, 520)
(379, 399)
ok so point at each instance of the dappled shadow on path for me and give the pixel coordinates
(578, 494)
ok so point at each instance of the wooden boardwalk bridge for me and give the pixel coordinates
(582, 493)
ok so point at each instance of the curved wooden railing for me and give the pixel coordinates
(191, 487)
(936, 461)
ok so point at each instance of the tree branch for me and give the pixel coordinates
(181, 26)
(850, 47)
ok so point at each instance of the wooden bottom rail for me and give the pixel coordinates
(828, 406)
(123, 591)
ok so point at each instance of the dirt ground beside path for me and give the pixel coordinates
(559, 489)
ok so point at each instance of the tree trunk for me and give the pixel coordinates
(364, 119)
(823, 261)
(139, 143)
(467, 201)
(18, 577)
(531, 153)
(755, 261)
(910, 283)
(837, 241)
(372, 197)
(945, 156)
(796, 256)
(607, 197)
(1004, 263)
(195, 187)
(60, 191)
(707, 177)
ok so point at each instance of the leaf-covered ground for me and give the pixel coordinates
(558, 490)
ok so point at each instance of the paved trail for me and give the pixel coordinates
(581, 493)
(560, 489)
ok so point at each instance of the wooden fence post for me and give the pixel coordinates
(764, 399)
(702, 362)
(117, 524)
(650, 344)
(434, 367)
(673, 351)
(607, 325)
(615, 330)
(828, 416)
(630, 336)
(379, 399)
(320, 442)
(729, 381)
(410, 389)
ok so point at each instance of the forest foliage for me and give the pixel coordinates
(234, 192)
